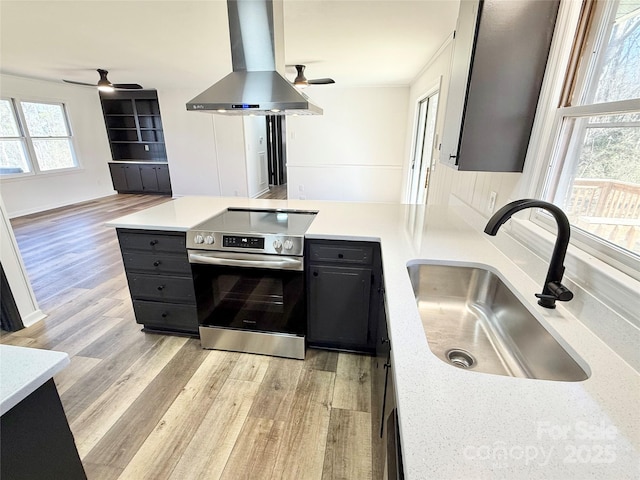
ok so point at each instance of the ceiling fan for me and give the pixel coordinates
(104, 85)
(301, 81)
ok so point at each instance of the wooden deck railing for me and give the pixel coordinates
(607, 208)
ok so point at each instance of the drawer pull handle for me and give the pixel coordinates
(153, 242)
(157, 263)
(340, 255)
(164, 315)
(160, 287)
(315, 274)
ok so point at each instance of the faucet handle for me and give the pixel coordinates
(559, 291)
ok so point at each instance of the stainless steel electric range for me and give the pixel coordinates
(248, 273)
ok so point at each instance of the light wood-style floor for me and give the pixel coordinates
(276, 192)
(159, 407)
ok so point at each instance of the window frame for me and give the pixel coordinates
(549, 152)
(27, 139)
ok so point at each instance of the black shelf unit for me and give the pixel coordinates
(136, 136)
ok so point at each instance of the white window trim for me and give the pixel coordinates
(26, 138)
(544, 141)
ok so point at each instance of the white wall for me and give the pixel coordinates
(354, 151)
(473, 188)
(206, 152)
(16, 273)
(255, 135)
(190, 142)
(35, 193)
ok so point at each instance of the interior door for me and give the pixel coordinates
(422, 161)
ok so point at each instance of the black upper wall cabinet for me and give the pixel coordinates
(499, 59)
(134, 125)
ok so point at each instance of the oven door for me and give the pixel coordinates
(262, 293)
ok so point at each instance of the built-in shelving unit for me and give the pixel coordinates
(134, 128)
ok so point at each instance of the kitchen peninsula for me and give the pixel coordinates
(456, 423)
(36, 439)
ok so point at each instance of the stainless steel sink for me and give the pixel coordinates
(474, 321)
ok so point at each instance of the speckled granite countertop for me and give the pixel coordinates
(24, 370)
(454, 423)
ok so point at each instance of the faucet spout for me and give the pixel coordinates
(552, 289)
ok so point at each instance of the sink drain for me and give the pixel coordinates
(460, 358)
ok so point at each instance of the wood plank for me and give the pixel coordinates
(353, 383)
(118, 446)
(277, 389)
(113, 339)
(348, 452)
(87, 334)
(165, 445)
(255, 451)
(321, 360)
(101, 472)
(301, 452)
(211, 445)
(250, 368)
(94, 422)
(78, 368)
(86, 391)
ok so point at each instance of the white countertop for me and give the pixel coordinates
(24, 370)
(456, 423)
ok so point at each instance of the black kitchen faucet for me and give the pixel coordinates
(552, 290)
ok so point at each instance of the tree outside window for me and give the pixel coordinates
(596, 171)
(35, 137)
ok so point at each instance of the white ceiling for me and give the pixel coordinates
(163, 44)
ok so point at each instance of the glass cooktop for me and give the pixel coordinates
(261, 221)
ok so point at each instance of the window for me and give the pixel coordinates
(594, 174)
(34, 138)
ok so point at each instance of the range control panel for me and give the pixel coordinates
(269, 243)
(242, 242)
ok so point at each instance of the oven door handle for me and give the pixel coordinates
(282, 263)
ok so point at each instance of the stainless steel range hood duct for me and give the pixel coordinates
(257, 52)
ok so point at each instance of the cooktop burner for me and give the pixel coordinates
(279, 232)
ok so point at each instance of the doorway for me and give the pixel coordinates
(276, 149)
(423, 148)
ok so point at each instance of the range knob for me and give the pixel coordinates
(209, 240)
(198, 239)
(288, 244)
(277, 244)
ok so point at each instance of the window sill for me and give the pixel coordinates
(32, 175)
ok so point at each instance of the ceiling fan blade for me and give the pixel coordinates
(127, 86)
(321, 81)
(79, 83)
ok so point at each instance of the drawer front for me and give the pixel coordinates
(340, 254)
(162, 288)
(152, 242)
(171, 264)
(169, 316)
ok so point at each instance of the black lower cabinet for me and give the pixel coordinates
(344, 282)
(134, 177)
(160, 280)
(386, 454)
(36, 441)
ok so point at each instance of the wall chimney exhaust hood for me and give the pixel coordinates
(255, 87)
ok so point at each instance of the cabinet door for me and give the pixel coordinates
(118, 177)
(464, 37)
(164, 182)
(134, 181)
(149, 178)
(339, 306)
(492, 102)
